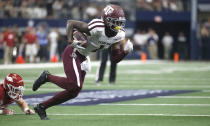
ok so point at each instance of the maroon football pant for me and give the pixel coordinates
(73, 81)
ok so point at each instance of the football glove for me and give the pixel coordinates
(28, 111)
(128, 46)
(76, 44)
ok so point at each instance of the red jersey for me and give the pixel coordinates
(31, 38)
(9, 37)
(4, 98)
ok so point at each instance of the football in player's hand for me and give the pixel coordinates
(81, 37)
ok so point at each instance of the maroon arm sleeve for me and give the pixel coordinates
(117, 55)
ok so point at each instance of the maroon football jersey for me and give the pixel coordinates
(4, 98)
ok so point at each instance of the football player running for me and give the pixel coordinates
(83, 39)
(11, 90)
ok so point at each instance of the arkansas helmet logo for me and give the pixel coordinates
(108, 10)
(9, 79)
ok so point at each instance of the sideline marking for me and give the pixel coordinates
(202, 105)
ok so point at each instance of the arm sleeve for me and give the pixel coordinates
(117, 55)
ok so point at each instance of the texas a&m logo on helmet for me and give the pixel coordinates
(114, 17)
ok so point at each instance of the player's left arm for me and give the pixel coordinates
(24, 106)
(75, 25)
(117, 54)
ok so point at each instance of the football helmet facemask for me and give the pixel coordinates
(14, 86)
(114, 17)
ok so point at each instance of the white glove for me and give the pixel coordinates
(28, 111)
(128, 46)
(86, 65)
(76, 44)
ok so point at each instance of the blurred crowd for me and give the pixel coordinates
(41, 44)
(76, 9)
(32, 44)
(82, 9)
(163, 5)
(55, 9)
(149, 42)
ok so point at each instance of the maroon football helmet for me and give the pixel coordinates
(114, 17)
(13, 84)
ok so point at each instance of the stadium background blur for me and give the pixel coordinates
(159, 28)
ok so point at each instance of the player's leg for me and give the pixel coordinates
(72, 70)
(59, 98)
(113, 69)
(104, 57)
(72, 84)
(74, 74)
(112, 74)
(60, 81)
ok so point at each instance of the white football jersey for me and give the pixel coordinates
(98, 39)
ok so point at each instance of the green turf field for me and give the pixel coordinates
(188, 109)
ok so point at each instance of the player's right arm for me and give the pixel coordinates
(117, 55)
(24, 106)
(6, 111)
(75, 25)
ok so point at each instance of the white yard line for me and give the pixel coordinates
(136, 85)
(205, 90)
(93, 63)
(200, 105)
(190, 97)
(124, 114)
(195, 87)
(152, 86)
(174, 86)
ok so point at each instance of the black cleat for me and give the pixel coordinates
(43, 78)
(40, 110)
